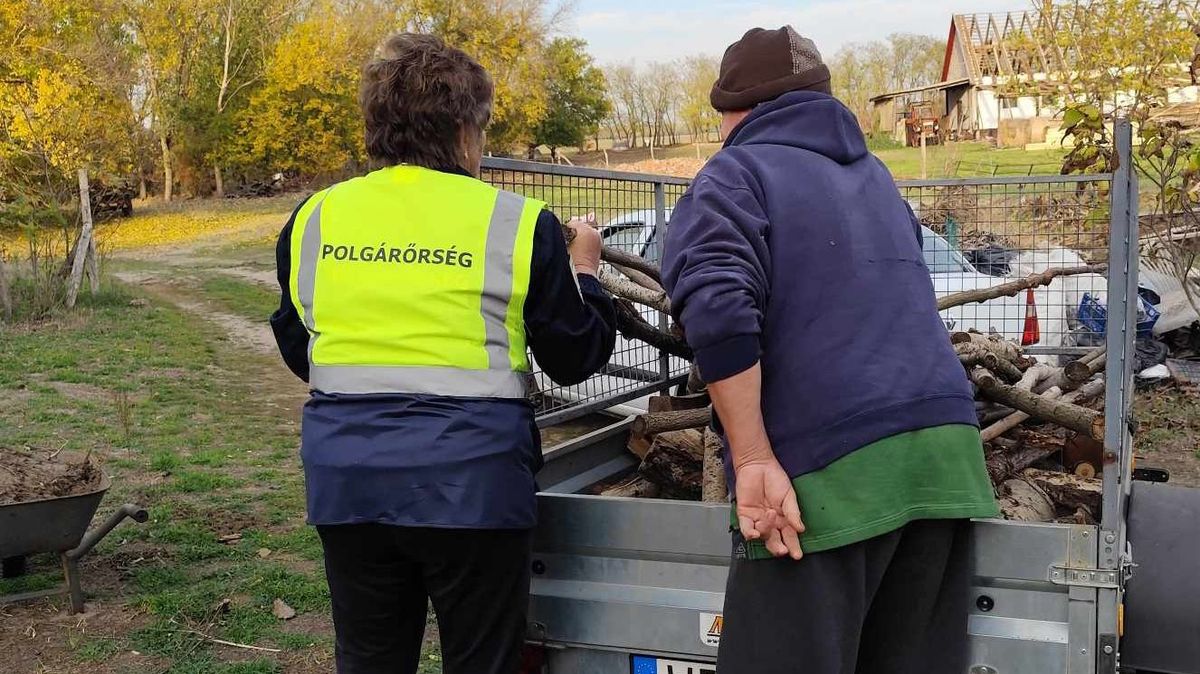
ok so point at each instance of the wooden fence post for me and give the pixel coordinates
(84, 246)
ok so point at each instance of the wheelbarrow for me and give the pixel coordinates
(58, 525)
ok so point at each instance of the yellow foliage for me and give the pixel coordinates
(255, 221)
(305, 117)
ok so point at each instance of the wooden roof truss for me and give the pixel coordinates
(1012, 44)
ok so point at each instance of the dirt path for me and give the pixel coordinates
(259, 276)
(255, 336)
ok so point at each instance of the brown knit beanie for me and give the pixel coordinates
(766, 64)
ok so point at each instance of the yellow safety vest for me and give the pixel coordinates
(414, 281)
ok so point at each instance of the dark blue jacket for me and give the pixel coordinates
(794, 247)
(440, 461)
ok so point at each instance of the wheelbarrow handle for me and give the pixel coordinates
(130, 510)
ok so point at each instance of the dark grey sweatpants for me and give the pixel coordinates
(894, 604)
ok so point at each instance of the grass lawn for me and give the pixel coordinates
(203, 432)
(963, 160)
(959, 160)
(191, 428)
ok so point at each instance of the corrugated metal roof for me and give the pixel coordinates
(929, 87)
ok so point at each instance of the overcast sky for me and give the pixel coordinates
(658, 30)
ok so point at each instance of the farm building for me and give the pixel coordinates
(984, 53)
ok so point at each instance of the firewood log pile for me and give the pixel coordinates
(1042, 425)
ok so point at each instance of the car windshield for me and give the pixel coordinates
(940, 257)
(626, 236)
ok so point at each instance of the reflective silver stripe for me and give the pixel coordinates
(310, 251)
(306, 275)
(446, 381)
(498, 277)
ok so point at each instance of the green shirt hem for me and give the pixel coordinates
(932, 473)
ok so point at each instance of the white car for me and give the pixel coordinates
(1054, 307)
(949, 270)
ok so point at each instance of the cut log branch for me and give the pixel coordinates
(1069, 491)
(624, 288)
(1079, 419)
(1013, 287)
(640, 278)
(664, 402)
(714, 489)
(634, 487)
(630, 261)
(621, 258)
(1013, 420)
(661, 422)
(675, 463)
(1086, 392)
(1022, 501)
(631, 324)
(998, 345)
(1074, 373)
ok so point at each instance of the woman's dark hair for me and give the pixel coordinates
(417, 94)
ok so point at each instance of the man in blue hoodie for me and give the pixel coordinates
(795, 269)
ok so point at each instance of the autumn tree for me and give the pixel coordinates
(697, 75)
(231, 64)
(169, 36)
(65, 73)
(304, 118)
(507, 37)
(577, 96)
(1132, 59)
(860, 71)
(644, 102)
(624, 90)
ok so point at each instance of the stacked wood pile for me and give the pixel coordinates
(1042, 425)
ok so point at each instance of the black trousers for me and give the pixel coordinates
(382, 579)
(894, 604)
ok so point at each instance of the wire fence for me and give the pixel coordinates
(978, 233)
(632, 210)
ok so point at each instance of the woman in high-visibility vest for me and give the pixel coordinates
(410, 299)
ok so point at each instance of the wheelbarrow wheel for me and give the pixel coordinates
(11, 567)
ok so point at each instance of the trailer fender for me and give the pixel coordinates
(1162, 597)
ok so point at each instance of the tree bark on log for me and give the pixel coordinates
(1075, 373)
(634, 487)
(675, 463)
(1087, 392)
(641, 279)
(1080, 371)
(971, 355)
(1079, 419)
(1004, 464)
(624, 288)
(668, 403)
(1003, 348)
(1069, 491)
(631, 324)
(1013, 287)
(714, 489)
(653, 424)
(1019, 500)
(1035, 375)
(1013, 420)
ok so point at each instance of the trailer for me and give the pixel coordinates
(627, 585)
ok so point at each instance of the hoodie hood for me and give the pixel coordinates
(808, 120)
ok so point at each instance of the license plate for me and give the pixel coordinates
(645, 664)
